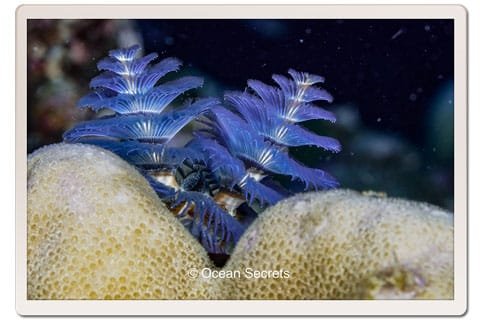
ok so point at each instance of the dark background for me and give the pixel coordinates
(392, 81)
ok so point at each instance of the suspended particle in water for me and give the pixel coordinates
(398, 33)
(169, 41)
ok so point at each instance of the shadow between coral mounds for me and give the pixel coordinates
(219, 259)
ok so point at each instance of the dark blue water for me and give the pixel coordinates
(392, 81)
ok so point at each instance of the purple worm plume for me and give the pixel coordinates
(219, 180)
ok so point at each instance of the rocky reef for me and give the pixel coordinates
(97, 230)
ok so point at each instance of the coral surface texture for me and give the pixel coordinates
(97, 230)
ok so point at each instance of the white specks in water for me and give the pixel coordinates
(412, 97)
(440, 77)
(450, 101)
(300, 40)
(398, 33)
(308, 31)
(434, 149)
(379, 119)
(427, 28)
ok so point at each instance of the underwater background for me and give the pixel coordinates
(392, 82)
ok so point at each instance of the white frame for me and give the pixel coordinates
(457, 306)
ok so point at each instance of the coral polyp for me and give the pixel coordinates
(228, 168)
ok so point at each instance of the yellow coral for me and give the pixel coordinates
(96, 230)
(343, 245)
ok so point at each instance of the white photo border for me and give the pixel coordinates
(457, 306)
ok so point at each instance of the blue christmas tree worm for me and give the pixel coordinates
(222, 170)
